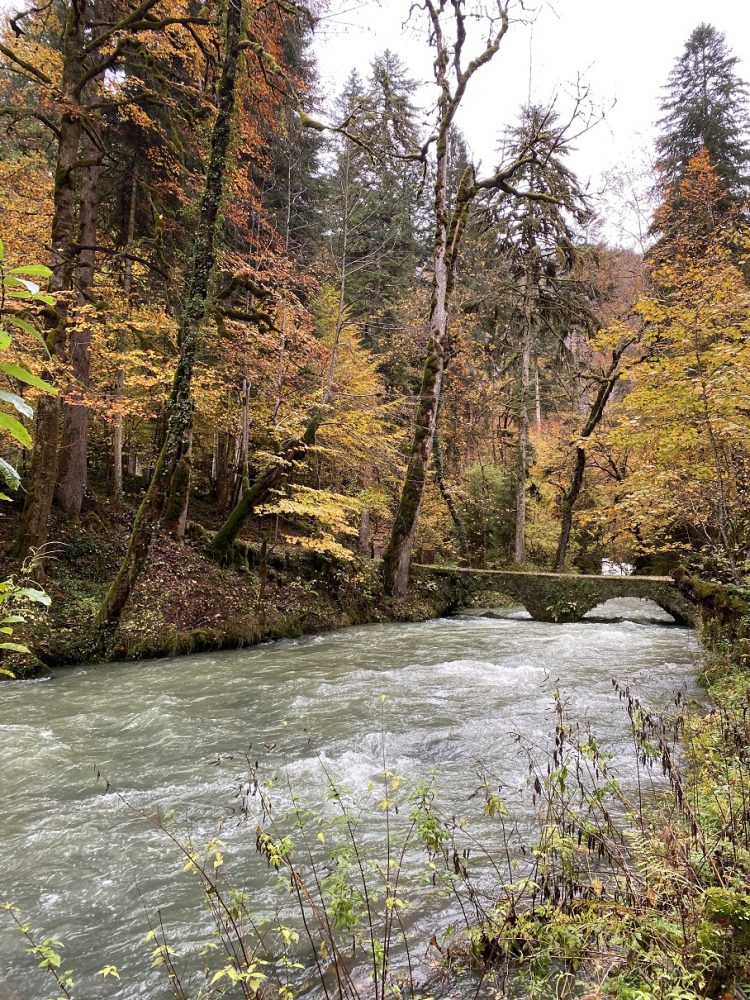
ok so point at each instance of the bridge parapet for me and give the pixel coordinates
(567, 597)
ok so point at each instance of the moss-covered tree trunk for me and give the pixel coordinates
(397, 555)
(567, 506)
(450, 503)
(255, 493)
(594, 418)
(127, 287)
(167, 485)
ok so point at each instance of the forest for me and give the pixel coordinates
(268, 353)
(331, 333)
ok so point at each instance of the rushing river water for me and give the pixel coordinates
(173, 735)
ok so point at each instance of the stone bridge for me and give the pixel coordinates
(566, 597)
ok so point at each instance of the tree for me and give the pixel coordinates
(373, 241)
(540, 240)
(451, 211)
(597, 376)
(606, 383)
(705, 108)
(362, 229)
(293, 189)
(170, 479)
(684, 421)
(63, 90)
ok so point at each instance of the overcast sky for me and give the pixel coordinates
(623, 52)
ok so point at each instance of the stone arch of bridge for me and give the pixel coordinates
(561, 604)
(654, 604)
(567, 597)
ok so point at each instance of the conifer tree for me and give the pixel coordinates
(373, 205)
(706, 106)
(539, 239)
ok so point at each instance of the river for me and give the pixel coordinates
(174, 735)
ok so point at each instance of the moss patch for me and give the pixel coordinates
(187, 602)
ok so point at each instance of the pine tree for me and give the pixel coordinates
(372, 210)
(287, 173)
(706, 107)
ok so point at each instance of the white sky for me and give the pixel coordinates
(622, 50)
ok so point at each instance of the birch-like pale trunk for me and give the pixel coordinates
(452, 79)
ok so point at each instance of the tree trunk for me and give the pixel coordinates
(397, 555)
(244, 478)
(72, 469)
(596, 412)
(364, 542)
(35, 525)
(127, 287)
(176, 511)
(226, 469)
(165, 481)
(458, 524)
(568, 505)
(522, 453)
(253, 495)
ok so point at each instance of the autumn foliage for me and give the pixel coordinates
(586, 401)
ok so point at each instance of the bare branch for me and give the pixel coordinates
(124, 254)
(15, 20)
(19, 113)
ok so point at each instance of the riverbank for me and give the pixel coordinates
(646, 897)
(188, 603)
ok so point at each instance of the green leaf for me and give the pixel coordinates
(2, 250)
(29, 328)
(14, 647)
(5, 339)
(18, 402)
(35, 270)
(9, 474)
(17, 372)
(15, 429)
(36, 595)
